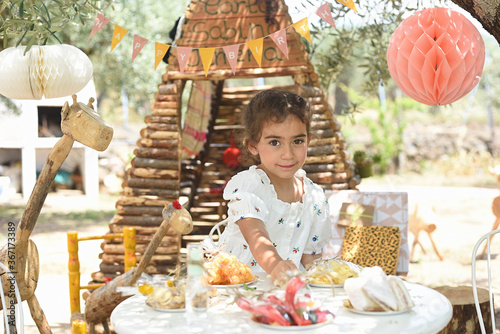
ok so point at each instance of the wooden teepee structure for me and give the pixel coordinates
(160, 172)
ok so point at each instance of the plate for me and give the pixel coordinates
(347, 305)
(235, 285)
(167, 310)
(325, 285)
(291, 328)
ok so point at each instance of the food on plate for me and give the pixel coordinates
(374, 291)
(293, 310)
(167, 297)
(332, 271)
(225, 269)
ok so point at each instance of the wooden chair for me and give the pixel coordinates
(129, 242)
(18, 308)
(486, 237)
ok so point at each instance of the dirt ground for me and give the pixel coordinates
(463, 216)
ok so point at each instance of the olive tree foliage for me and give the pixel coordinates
(44, 22)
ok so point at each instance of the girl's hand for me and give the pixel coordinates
(279, 272)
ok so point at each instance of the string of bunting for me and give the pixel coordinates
(231, 51)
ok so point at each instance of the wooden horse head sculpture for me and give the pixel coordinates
(79, 122)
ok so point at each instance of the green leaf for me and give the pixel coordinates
(31, 41)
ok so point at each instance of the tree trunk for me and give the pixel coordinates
(487, 12)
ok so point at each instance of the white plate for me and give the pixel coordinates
(235, 285)
(167, 310)
(325, 285)
(292, 328)
(347, 305)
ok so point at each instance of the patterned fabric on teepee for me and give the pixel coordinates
(391, 209)
(195, 128)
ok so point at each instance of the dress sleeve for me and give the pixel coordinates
(243, 202)
(321, 230)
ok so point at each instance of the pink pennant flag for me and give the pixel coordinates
(139, 43)
(99, 23)
(231, 52)
(279, 38)
(325, 13)
(183, 54)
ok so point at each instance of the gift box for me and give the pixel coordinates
(355, 214)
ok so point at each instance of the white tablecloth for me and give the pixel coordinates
(431, 314)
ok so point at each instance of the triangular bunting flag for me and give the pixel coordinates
(302, 28)
(325, 13)
(139, 43)
(231, 52)
(279, 38)
(183, 56)
(160, 51)
(99, 23)
(118, 35)
(206, 55)
(348, 3)
(255, 46)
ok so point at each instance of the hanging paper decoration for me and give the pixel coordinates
(118, 35)
(99, 23)
(183, 56)
(231, 155)
(206, 55)
(139, 43)
(279, 38)
(256, 47)
(231, 52)
(302, 28)
(436, 56)
(49, 70)
(324, 12)
(348, 3)
(160, 51)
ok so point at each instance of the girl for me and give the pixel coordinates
(278, 219)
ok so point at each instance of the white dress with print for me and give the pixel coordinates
(294, 228)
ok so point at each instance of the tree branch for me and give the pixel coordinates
(487, 12)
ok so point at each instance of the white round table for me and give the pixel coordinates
(431, 313)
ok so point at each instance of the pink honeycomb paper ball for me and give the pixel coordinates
(436, 56)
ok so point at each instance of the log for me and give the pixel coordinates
(165, 193)
(138, 210)
(165, 112)
(168, 88)
(139, 201)
(317, 168)
(333, 158)
(322, 150)
(166, 97)
(162, 127)
(111, 270)
(140, 230)
(137, 182)
(164, 105)
(327, 177)
(323, 141)
(157, 153)
(160, 119)
(322, 125)
(119, 249)
(137, 220)
(153, 173)
(152, 134)
(155, 259)
(159, 143)
(323, 133)
(465, 319)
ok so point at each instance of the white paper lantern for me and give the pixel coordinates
(48, 71)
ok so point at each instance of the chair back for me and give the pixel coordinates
(19, 306)
(486, 237)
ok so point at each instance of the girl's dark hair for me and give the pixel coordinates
(271, 106)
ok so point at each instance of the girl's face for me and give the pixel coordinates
(282, 148)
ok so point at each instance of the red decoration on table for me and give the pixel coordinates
(436, 56)
(231, 155)
(177, 205)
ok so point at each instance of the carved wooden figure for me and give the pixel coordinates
(78, 122)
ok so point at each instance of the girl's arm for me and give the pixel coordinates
(307, 259)
(255, 233)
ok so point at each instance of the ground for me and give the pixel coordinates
(464, 215)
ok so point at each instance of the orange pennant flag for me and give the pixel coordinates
(160, 51)
(118, 35)
(206, 55)
(302, 28)
(256, 46)
(348, 3)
